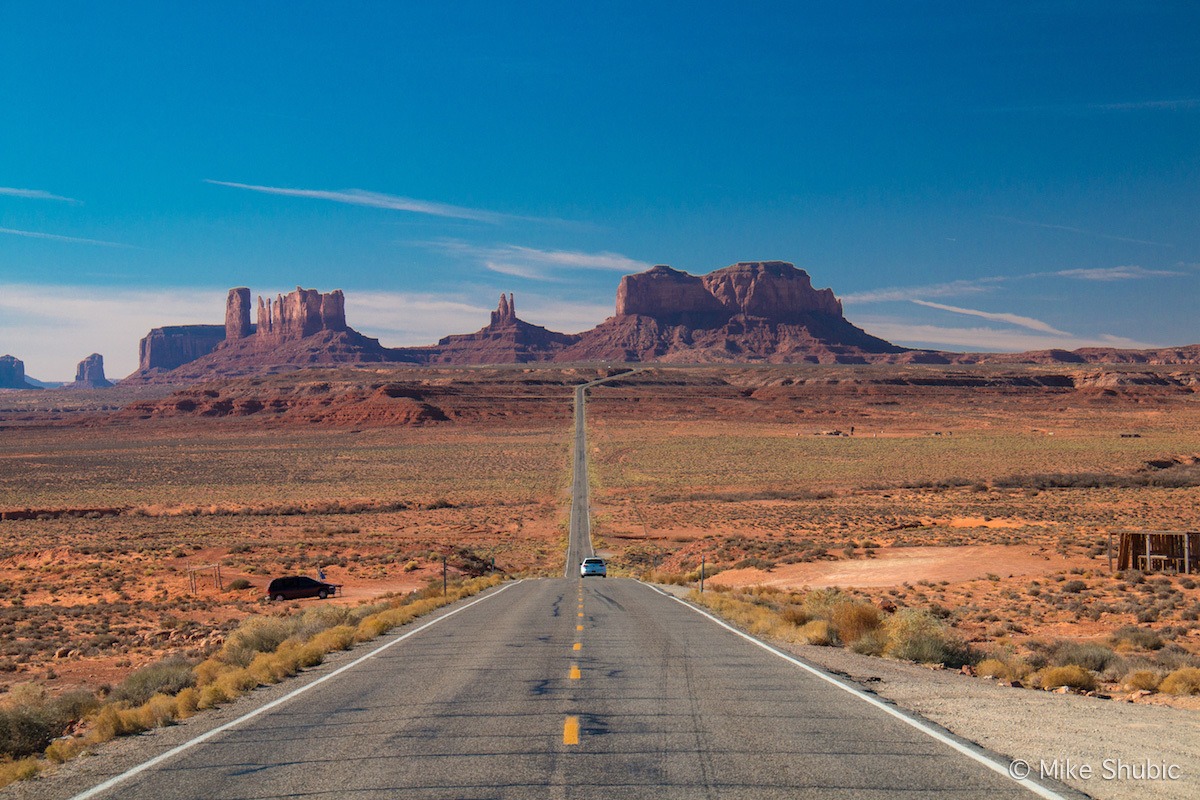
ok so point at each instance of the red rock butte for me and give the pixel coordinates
(749, 312)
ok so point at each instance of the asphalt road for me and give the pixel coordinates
(567, 688)
(579, 541)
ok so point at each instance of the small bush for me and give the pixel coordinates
(1090, 656)
(169, 676)
(851, 621)
(1071, 675)
(1003, 668)
(30, 719)
(917, 635)
(871, 643)
(817, 632)
(237, 584)
(1181, 681)
(1142, 679)
(1134, 637)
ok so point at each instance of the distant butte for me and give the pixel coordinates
(749, 312)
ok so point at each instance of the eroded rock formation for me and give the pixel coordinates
(507, 339)
(90, 374)
(12, 374)
(750, 311)
(172, 346)
(297, 314)
(237, 314)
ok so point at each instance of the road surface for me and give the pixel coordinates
(556, 688)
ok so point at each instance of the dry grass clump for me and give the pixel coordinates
(917, 635)
(1142, 680)
(169, 676)
(1185, 680)
(1004, 667)
(30, 718)
(1072, 675)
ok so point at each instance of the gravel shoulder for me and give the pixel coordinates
(1035, 726)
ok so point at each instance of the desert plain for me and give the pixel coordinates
(984, 494)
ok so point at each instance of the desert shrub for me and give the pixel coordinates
(851, 621)
(1071, 675)
(237, 584)
(1135, 637)
(169, 676)
(255, 635)
(917, 635)
(795, 614)
(819, 603)
(1143, 679)
(30, 719)
(871, 643)
(817, 632)
(19, 770)
(1181, 681)
(1088, 655)
(1003, 667)
(1074, 587)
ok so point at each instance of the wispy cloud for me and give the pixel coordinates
(1183, 104)
(1126, 273)
(989, 339)
(901, 293)
(72, 239)
(361, 197)
(34, 194)
(534, 263)
(1012, 319)
(1080, 231)
(986, 284)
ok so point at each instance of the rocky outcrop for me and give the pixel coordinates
(12, 374)
(298, 314)
(90, 374)
(172, 346)
(750, 311)
(507, 339)
(237, 314)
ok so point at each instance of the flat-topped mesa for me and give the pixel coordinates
(298, 314)
(12, 373)
(506, 312)
(773, 290)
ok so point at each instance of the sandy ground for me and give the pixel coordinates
(1034, 726)
(893, 566)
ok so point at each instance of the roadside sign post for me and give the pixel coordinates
(701, 574)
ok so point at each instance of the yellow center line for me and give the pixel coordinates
(578, 627)
(575, 673)
(579, 645)
(571, 731)
(581, 613)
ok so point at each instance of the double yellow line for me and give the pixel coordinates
(571, 725)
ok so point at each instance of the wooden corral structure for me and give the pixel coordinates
(1157, 551)
(196, 573)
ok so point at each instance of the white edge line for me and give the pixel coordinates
(990, 763)
(174, 751)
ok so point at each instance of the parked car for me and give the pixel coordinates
(297, 586)
(593, 566)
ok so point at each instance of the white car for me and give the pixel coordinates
(593, 566)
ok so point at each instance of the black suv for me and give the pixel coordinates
(299, 586)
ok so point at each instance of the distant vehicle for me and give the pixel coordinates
(297, 586)
(593, 566)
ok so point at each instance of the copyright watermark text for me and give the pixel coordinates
(1109, 769)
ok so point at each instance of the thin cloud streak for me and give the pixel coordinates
(361, 197)
(34, 194)
(1080, 231)
(989, 339)
(54, 237)
(1012, 319)
(981, 285)
(536, 264)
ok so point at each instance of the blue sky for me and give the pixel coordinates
(966, 176)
